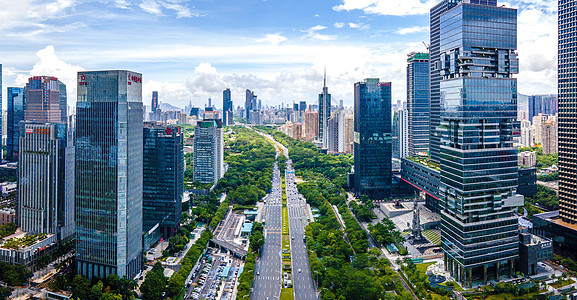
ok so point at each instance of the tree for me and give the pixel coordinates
(154, 286)
(80, 287)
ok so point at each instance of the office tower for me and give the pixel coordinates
(108, 196)
(324, 112)
(154, 104)
(435, 78)
(341, 104)
(479, 173)
(195, 112)
(404, 133)
(336, 132)
(209, 103)
(349, 133)
(549, 137)
(567, 78)
(163, 178)
(45, 103)
(526, 134)
(208, 150)
(249, 103)
(373, 152)
(226, 108)
(16, 100)
(295, 107)
(303, 107)
(542, 104)
(63, 102)
(311, 125)
(418, 102)
(43, 177)
(1, 89)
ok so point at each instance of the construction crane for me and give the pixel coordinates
(426, 46)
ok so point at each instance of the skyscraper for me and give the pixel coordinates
(250, 103)
(373, 137)
(226, 108)
(324, 112)
(208, 150)
(435, 78)
(349, 133)
(479, 173)
(526, 134)
(45, 103)
(418, 102)
(336, 131)
(163, 177)
(15, 114)
(43, 204)
(154, 104)
(311, 125)
(542, 104)
(1, 89)
(549, 136)
(108, 194)
(567, 78)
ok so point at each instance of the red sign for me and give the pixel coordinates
(42, 131)
(168, 130)
(134, 78)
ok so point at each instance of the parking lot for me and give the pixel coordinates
(215, 276)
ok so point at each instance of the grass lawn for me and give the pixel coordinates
(285, 225)
(422, 268)
(287, 294)
(562, 283)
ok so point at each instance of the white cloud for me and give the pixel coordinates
(313, 34)
(388, 7)
(50, 64)
(339, 25)
(359, 26)
(414, 29)
(23, 12)
(273, 39)
(155, 7)
(122, 4)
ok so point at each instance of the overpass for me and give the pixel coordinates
(238, 251)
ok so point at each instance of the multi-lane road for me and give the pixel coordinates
(303, 285)
(267, 281)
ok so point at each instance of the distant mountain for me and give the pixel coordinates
(168, 107)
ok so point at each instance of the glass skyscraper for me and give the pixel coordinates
(15, 114)
(108, 194)
(435, 78)
(226, 108)
(324, 113)
(208, 150)
(45, 100)
(373, 138)
(567, 78)
(478, 109)
(418, 102)
(163, 177)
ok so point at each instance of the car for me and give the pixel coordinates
(257, 273)
(300, 270)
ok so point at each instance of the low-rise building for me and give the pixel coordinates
(533, 249)
(7, 215)
(527, 159)
(23, 248)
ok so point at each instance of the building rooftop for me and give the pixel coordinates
(246, 227)
(425, 160)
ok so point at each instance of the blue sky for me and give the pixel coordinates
(192, 50)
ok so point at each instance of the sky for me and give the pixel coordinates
(192, 50)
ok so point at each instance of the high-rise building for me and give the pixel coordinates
(479, 173)
(336, 132)
(163, 178)
(373, 137)
(154, 104)
(435, 78)
(208, 151)
(227, 113)
(404, 132)
(349, 133)
(324, 112)
(45, 103)
(1, 89)
(311, 125)
(15, 114)
(108, 196)
(250, 103)
(43, 177)
(549, 136)
(538, 121)
(302, 107)
(526, 134)
(567, 78)
(542, 104)
(418, 102)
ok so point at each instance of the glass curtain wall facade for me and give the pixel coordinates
(108, 189)
(16, 102)
(227, 107)
(418, 102)
(478, 110)
(163, 177)
(373, 138)
(208, 151)
(41, 178)
(44, 101)
(324, 114)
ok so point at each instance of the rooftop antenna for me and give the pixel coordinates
(325, 78)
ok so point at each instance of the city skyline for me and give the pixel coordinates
(284, 45)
